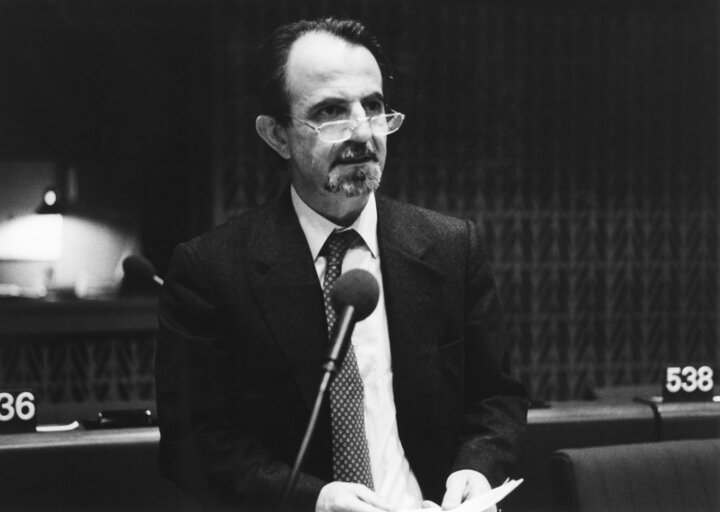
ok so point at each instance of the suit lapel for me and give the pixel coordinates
(413, 293)
(286, 287)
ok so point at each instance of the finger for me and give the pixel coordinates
(372, 498)
(476, 485)
(361, 506)
(454, 493)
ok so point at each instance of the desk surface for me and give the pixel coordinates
(81, 437)
(48, 319)
(560, 413)
(557, 413)
(584, 411)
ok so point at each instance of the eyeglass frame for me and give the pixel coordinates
(355, 124)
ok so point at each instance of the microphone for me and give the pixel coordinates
(139, 269)
(354, 297)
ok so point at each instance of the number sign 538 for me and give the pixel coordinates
(688, 383)
(17, 411)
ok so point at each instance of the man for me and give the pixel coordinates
(244, 331)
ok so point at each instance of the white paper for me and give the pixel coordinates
(482, 502)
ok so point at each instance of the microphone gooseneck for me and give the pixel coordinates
(138, 268)
(354, 297)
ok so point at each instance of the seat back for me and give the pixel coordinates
(650, 477)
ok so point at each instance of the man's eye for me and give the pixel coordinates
(331, 111)
(374, 107)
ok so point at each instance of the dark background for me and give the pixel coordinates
(582, 137)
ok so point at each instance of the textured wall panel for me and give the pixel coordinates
(75, 370)
(582, 136)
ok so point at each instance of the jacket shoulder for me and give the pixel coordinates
(234, 233)
(422, 220)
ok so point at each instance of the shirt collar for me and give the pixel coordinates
(317, 228)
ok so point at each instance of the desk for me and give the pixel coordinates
(32, 319)
(688, 420)
(80, 356)
(116, 469)
(86, 470)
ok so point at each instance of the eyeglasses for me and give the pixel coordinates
(340, 131)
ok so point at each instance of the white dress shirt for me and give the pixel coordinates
(392, 476)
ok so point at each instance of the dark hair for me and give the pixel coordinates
(269, 82)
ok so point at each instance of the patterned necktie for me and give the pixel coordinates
(351, 456)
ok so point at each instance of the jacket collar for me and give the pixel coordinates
(413, 298)
(285, 285)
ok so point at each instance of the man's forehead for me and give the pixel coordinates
(319, 58)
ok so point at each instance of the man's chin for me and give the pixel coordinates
(354, 180)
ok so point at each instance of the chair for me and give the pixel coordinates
(672, 476)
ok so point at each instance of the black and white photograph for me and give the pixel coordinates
(359, 255)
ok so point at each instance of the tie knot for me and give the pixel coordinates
(338, 243)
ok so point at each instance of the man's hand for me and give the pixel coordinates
(463, 485)
(347, 497)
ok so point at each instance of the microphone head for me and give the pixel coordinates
(137, 267)
(357, 288)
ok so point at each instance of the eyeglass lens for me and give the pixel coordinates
(343, 130)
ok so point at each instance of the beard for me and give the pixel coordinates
(364, 174)
(360, 181)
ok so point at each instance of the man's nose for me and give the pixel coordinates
(362, 132)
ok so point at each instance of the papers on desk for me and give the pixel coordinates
(482, 502)
(57, 428)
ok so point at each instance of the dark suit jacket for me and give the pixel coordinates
(242, 341)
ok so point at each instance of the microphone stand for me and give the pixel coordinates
(337, 353)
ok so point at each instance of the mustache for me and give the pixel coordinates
(356, 153)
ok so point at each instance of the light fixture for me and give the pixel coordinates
(51, 202)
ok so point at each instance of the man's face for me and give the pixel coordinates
(329, 79)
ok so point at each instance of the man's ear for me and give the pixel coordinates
(274, 134)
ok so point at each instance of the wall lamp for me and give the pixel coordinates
(51, 203)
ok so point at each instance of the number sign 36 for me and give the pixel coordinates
(17, 411)
(688, 383)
